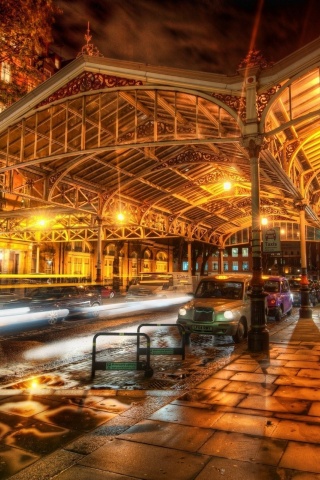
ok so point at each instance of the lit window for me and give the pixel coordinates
(185, 266)
(225, 266)
(245, 252)
(234, 252)
(215, 266)
(5, 75)
(235, 266)
(245, 266)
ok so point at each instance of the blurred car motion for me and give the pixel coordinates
(295, 287)
(75, 299)
(103, 290)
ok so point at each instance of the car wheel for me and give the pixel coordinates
(241, 332)
(53, 318)
(278, 315)
(95, 313)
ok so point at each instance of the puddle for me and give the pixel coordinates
(43, 381)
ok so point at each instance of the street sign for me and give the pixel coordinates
(271, 240)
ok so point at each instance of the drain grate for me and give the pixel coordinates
(158, 384)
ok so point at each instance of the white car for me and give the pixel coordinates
(220, 306)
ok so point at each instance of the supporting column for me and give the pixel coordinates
(220, 259)
(99, 251)
(258, 335)
(189, 258)
(305, 308)
(38, 258)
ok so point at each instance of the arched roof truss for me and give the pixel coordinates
(293, 127)
(158, 145)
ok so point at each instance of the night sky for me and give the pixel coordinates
(206, 35)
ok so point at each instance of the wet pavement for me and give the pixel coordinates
(247, 416)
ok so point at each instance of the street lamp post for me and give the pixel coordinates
(99, 252)
(305, 309)
(258, 335)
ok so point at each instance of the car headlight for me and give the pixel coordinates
(182, 311)
(227, 315)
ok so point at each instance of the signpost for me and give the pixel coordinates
(271, 240)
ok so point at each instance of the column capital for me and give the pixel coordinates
(253, 144)
(300, 204)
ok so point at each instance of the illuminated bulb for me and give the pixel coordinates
(34, 383)
(227, 186)
(264, 221)
(120, 217)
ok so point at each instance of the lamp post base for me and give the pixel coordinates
(305, 312)
(258, 335)
(258, 341)
(98, 277)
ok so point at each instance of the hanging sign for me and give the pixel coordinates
(271, 240)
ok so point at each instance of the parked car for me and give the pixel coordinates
(73, 298)
(220, 306)
(295, 286)
(279, 299)
(103, 290)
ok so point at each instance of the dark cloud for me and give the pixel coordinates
(207, 35)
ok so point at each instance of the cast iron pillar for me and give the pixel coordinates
(258, 335)
(220, 259)
(99, 252)
(305, 308)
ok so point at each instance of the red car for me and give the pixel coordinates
(103, 290)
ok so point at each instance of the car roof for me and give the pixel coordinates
(273, 277)
(230, 277)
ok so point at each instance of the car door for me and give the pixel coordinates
(286, 296)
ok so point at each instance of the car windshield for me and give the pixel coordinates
(294, 284)
(215, 289)
(271, 286)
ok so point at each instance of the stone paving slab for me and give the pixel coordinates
(302, 364)
(309, 372)
(297, 431)
(145, 461)
(251, 388)
(247, 448)
(275, 404)
(167, 434)
(297, 381)
(303, 393)
(301, 456)
(226, 469)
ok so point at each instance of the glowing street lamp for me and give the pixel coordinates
(227, 186)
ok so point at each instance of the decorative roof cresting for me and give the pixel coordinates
(89, 49)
